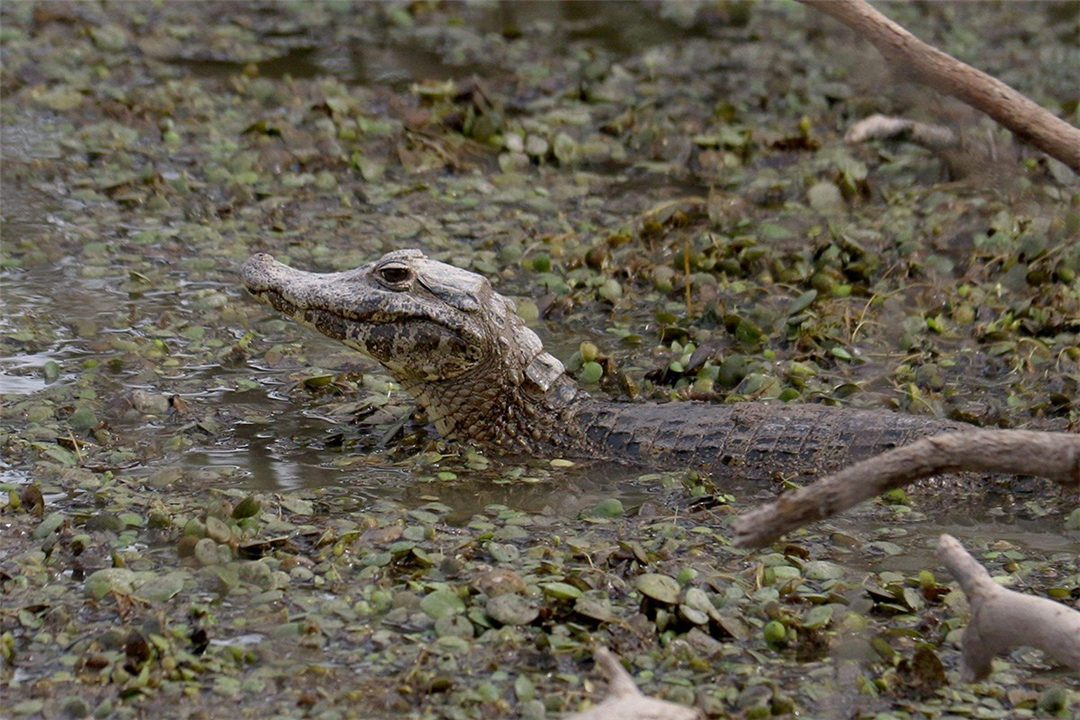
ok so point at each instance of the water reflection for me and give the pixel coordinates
(21, 374)
(272, 457)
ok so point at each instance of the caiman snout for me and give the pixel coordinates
(260, 273)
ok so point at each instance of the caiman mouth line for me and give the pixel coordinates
(282, 304)
(277, 301)
(332, 324)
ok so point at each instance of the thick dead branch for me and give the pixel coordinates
(882, 127)
(1055, 456)
(930, 66)
(1003, 619)
(625, 701)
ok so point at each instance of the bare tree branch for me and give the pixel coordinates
(930, 66)
(1003, 619)
(1055, 456)
(625, 701)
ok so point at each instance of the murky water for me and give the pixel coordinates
(381, 60)
(149, 148)
(296, 448)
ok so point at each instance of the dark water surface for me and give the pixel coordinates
(685, 150)
(289, 448)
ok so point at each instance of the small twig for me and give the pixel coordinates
(880, 127)
(687, 200)
(75, 445)
(686, 273)
(1055, 456)
(1003, 618)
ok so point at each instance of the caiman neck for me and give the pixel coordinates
(496, 405)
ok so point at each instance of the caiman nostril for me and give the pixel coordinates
(257, 272)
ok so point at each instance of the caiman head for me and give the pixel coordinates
(451, 341)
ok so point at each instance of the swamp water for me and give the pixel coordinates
(174, 426)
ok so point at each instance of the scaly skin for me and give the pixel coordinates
(483, 377)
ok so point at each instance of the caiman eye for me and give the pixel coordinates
(394, 274)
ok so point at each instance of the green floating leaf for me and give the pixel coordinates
(561, 591)
(49, 525)
(317, 381)
(825, 198)
(297, 506)
(610, 290)
(662, 588)
(162, 588)
(802, 302)
(524, 688)
(774, 632)
(822, 570)
(50, 370)
(441, 603)
(1073, 521)
(818, 617)
(454, 625)
(591, 372)
(57, 453)
(594, 608)
(607, 508)
(748, 333)
(248, 507)
(512, 609)
(103, 582)
(772, 231)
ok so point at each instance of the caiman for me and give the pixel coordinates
(483, 377)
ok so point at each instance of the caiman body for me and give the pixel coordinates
(484, 378)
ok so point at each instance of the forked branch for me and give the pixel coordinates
(1003, 619)
(932, 67)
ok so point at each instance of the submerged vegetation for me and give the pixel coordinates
(207, 507)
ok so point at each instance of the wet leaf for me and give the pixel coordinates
(500, 582)
(802, 302)
(607, 508)
(297, 506)
(774, 632)
(818, 617)
(512, 609)
(49, 525)
(248, 507)
(825, 198)
(454, 625)
(662, 588)
(594, 608)
(560, 590)
(57, 453)
(591, 372)
(51, 371)
(109, 580)
(441, 603)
